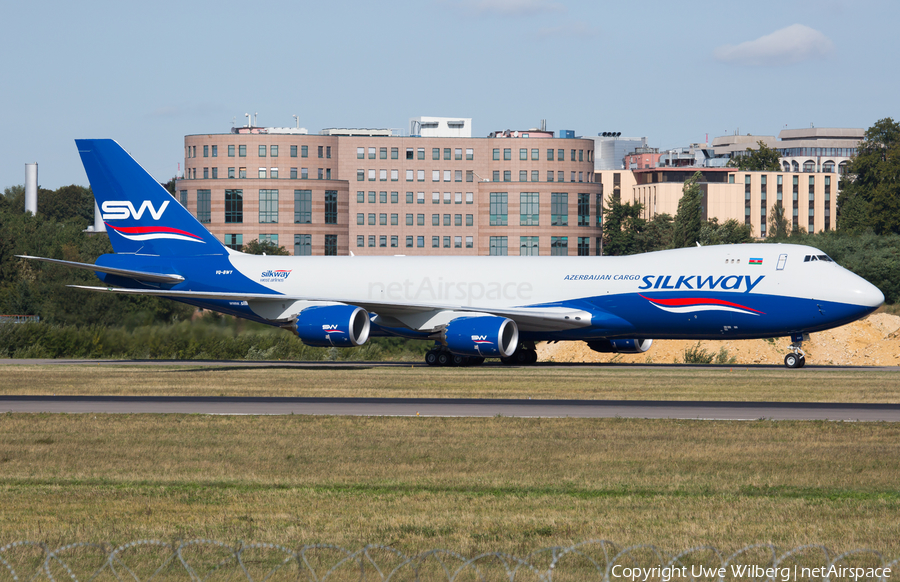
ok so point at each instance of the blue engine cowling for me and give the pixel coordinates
(486, 336)
(342, 326)
(621, 346)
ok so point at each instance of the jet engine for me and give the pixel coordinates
(621, 346)
(342, 326)
(485, 336)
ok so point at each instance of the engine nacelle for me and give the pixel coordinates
(621, 346)
(486, 336)
(342, 326)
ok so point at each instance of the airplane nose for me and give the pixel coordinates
(866, 294)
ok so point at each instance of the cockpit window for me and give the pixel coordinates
(825, 258)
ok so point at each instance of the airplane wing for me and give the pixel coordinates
(547, 318)
(138, 275)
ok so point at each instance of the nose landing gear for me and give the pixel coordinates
(796, 359)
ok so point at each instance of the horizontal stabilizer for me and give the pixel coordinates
(138, 275)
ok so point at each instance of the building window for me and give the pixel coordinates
(371, 219)
(584, 210)
(523, 175)
(409, 197)
(495, 176)
(331, 212)
(304, 173)
(273, 151)
(507, 175)
(529, 209)
(496, 155)
(470, 243)
(470, 154)
(435, 242)
(559, 245)
(360, 218)
(409, 241)
(435, 153)
(498, 246)
(360, 240)
(302, 206)
(457, 220)
(302, 244)
(469, 219)
(234, 241)
(182, 197)
(523, 154)
(498, 208)
(231, 151)
(262, 151)
(231, 173)
(457, 153)
(382, 240)
(535, 176)
(382, 197)
(242, 151)
(394, 219)
(293, 173)
(446, 220)
(321, 151)
(395, 154)
(242, 173)
(206, 173)
(535, 154)
(331, 244)
(294, 154)
(262, 173)
(549, 155)
(584, 244)
(382, 219)
(395, 197)
(409, 219)
(394, 241)
(273, 172)
(420, 153)
(234, 206)
(457, 242)
(420, 219)
(382, 153)
(269, 238)
(203, 206)
(528, 246)
(420, 197)
(507, 153)
(420, 242)
(470, 197)
(304, 151)
(268, 206)
(435, 220)
(559, 209)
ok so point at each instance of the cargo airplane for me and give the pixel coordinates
(471, 307)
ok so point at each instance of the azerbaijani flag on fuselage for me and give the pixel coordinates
(756, 261)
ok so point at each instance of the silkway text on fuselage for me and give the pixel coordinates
(698, 282)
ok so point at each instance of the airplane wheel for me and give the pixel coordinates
(802, 362)
(532, 357)
(460, 360)
(431, 359)
(509, 360)
(792, 361)
(443, 359)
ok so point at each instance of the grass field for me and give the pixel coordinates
(469, 485)
(495, 381)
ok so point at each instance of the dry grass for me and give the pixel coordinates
(589, 382)
(471, 485)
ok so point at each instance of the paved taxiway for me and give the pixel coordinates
(454, 407)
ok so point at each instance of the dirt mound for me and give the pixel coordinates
(873, 341)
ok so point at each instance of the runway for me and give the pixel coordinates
(452, 407)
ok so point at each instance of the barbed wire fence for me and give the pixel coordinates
(202, 560)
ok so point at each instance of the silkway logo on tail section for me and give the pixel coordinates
(124, 209)
(274, 276)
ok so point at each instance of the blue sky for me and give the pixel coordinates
(149, 73)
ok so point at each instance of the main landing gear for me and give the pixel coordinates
(441, 356)
(525, 355)
(796, 359)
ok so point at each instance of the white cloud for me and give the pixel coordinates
(794, 44)
(512, 7)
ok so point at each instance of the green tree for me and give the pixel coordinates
(870, 191)
(255, 247)
(729, 232)
(622, 227)
(657, 234)
(689, 218)
(761, 159)
(778, 223)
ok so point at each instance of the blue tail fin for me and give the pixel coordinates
(141, 217)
